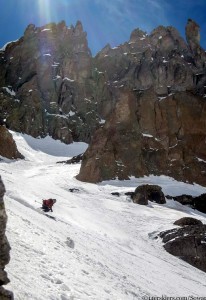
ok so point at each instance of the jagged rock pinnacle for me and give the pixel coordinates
(192, 32)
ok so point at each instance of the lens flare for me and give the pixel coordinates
(45, 11)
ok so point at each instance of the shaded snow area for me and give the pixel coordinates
(94, 245)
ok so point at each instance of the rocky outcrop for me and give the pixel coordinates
(185, 221)
(158, 109)
(150, 135)
(146, 192)
(74, 160)
(50, 84)
(46, 85)
(183, 199)
(142, 103)
(8, 146)
(198, 203)
(192, 32)
(140, 196)
(5, 248)
(161, 60)
(187, 243)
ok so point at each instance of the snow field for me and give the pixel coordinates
(96, 246)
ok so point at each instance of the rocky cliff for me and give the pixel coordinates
(157, 125)
(150, 91)
(188, 242)
(4, 248)
(150, 135)
(46, 85)
(8, 146)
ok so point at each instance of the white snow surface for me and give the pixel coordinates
(4, 47)
(45, 29)
(102, 121)
(71, 113)
(147, 135)
(94, 245)
(201, 160)
(68, 79)
(9, 91)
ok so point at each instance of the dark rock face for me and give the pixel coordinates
(74, 160)
(4, 246)
(192, 32)
(187, 221)
(140, 196)
(51, 84)
(158, 110)
(8, 147)
(188, 243)
(148, 135)
(183, 199)
(46, 85)
(146, 192)
(198, 203)
(142, 103)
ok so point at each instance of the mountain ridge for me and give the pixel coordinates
(51, 84)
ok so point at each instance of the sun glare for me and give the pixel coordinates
(45, 11)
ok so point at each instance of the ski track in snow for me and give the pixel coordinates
(94, 245)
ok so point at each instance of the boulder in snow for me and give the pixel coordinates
(186, 221)
(8, 146)
(187, 243)
(146, 192)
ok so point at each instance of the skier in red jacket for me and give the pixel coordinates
(47, 204)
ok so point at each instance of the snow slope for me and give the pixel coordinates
(94, 245)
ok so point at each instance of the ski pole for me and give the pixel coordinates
(38, 202)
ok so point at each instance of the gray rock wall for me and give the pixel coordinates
(51, 84)
(149, 135)
(8, 146)
(187, 243)
(144, 98)
(4, 248)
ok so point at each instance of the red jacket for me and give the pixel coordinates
(49, 203)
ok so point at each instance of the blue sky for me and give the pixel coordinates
(105, 21)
